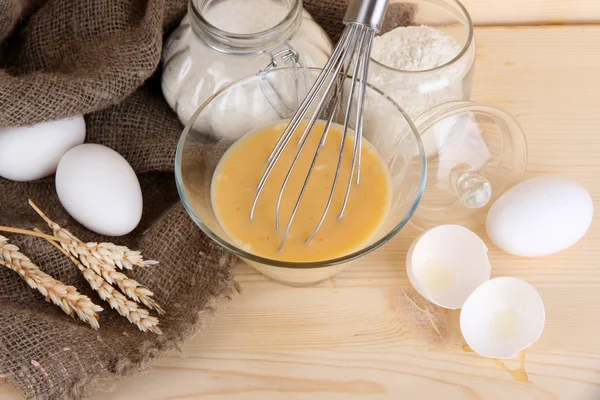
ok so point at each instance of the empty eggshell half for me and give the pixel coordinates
(502, 317)
(446, 264)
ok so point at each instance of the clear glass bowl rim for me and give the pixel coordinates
(469, 41)
(289, 264)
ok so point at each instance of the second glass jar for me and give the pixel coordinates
(431, 60)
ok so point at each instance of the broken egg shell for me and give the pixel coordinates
(446, 264)
(502, 317)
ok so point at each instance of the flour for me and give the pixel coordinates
(246, 16)
(417, 78)
(415, 48)
(193, 71)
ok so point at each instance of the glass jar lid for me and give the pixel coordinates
(475, 152)
(268, 23)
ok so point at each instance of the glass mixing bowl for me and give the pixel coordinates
(269, 97)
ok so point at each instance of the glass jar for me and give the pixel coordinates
(200, 58)
(417, 90)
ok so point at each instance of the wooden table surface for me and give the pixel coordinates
(366, 335)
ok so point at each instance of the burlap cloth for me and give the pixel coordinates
(101, 58)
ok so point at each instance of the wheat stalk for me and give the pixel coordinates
(31, 233)
(66, 297)
(118, 256)
(128, 309)
(108, 253)
(103, 259)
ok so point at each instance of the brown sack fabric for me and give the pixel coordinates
(67, 57)
(59, 58)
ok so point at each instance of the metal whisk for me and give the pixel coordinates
(363, 20)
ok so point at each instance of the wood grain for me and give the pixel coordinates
(530, 12)
(365, 335)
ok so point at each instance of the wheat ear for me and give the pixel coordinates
(65, 296)
(128, 309)
(103, 259)
(109, 253)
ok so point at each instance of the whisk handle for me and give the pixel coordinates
(366, 12)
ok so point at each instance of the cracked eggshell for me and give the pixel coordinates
(502, 317)
(446, 263)
(33, 152)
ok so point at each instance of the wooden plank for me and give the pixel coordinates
(359, 336)
(528, 12)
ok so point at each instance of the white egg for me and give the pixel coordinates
(33, 152)
(446, 263)
(502, 317)
(540, 216)
(98, 188)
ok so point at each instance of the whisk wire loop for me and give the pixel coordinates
(346, 60)
(357, 46)
(305, 105)
(299, 115)
(310, 170)
(304, 140)
(363, 65)
(352, 54)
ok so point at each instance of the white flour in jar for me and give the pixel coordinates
(246, 16)
(406, 50)
(415, 48)
(193, 70)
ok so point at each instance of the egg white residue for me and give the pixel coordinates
(446, 263)
(98, 188)
(33, 152)
(502, 317)
(540, 216)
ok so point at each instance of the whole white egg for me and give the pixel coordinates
(540, 216)
(98, 188)
(33, 152)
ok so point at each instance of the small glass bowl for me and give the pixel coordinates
(266, 98)
(475, 153)
(416, 91)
